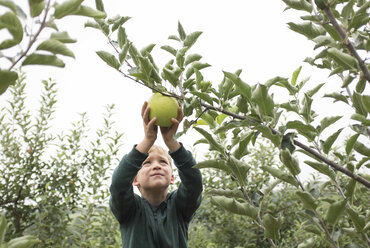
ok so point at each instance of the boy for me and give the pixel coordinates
(157, 219)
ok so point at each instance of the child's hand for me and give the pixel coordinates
(150, 129)
(169, 132)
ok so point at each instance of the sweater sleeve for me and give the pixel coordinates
(189, 193)
(122, 200)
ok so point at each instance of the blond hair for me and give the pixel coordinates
(161, 150)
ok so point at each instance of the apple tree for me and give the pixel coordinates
(53, 185)
(25, 46)
(233, 115)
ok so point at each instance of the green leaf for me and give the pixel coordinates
(307, 29)
(313, 91)
(358, 104)
(350, 143)
(108, 58)
(66, 8)
(203, 96)
(171, 77)
(192, 58)
(330, 141)
(214, 145)
(214, 164)
(122, 37)
(335, 211)
(350, 190)
(169, 49)
(118, 23)
(280, 174)
(147, 49)
(299, 5)
(36, 7)
(328, 121)
(9, 4)
(7, 78)
(322, 168)
(40, 59)
(342, 59)
(199, 66)
(55, 47)
(267, 133)
(366, 102)
(239, 169)
(62, 37)
(295, 76)
(99, 5)
(306, 109)
(272, 226)
(89, 12)
(123, 53)
(23, 242)
(306, 130)
(337, 97)
(290, 162)
(264, 101)
(243, 88)
(3, 228)
(231, 193)
(243, 144)
(181, 31)
(361, 148)
(307, 200)
(234, 206)
(191, 39)
(357, 219)
(11, 22)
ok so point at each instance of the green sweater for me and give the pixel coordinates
(167, 227)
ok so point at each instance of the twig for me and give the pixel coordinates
(347, 43)
(32, 41)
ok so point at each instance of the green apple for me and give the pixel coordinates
(164, 108)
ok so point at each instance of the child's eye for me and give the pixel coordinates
(163, 162)
(146, 163)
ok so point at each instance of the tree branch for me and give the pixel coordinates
(347, 43)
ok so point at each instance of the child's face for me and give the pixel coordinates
(156, 172)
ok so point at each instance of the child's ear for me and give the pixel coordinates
(172, 179)
(135, 182)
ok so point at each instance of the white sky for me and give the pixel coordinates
(252, 35)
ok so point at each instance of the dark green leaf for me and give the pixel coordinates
(337, 97)
(99, 5)
(306, 110)
(358, 104)
(358, 220)
(361, 148)
(267, 133)
(299, 5)
(239, 169)
(9, 4)
(365, 99)
(40, 59)
(122, 37)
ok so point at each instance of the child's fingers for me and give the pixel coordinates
(143, 108)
